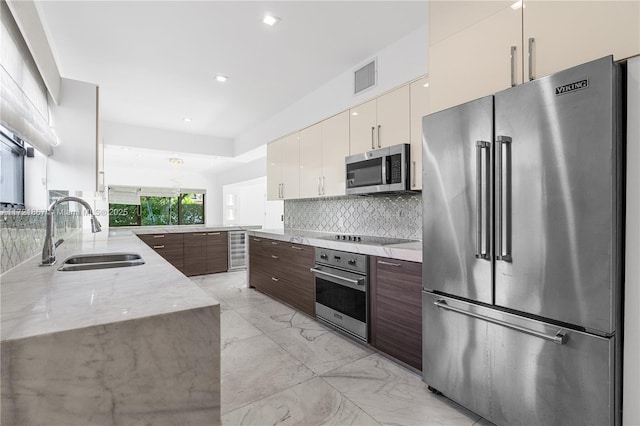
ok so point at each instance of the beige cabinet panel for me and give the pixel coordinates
(362, 125)
(569, 33)
(290, 167)
(274, 169)
(311, 161)
(335, 147)
(393, 118)
(477, 61)
(449, 17)
(419, 99)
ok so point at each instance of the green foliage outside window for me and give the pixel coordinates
(186, 209)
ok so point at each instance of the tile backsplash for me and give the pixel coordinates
(22, 234)
(398, 216)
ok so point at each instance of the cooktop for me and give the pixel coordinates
(367, 239)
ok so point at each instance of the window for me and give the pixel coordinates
(153, 210)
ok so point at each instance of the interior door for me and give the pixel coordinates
(457, 152)
(556, 198)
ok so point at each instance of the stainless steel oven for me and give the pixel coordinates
(342, 282)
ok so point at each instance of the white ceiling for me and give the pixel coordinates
(156, 61)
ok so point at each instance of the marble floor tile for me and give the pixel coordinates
(393, 395)
(233, 328)
(272, 316)
(318, 347)
(313, 402)
(256, 368)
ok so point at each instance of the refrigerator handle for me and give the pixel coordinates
(559, 338)
(482, 214)
(504, 198)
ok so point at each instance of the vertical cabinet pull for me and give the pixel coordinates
(532, 57)
(504, 198)
(373, 142)
(319, 185)
(482, 200)
(513, 65)
(413, 171)
(379, 143)
(322, 186)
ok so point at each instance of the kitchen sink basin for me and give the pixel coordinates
(84, 262)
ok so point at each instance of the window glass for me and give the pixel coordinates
(186, 209)
(191, 209)
(124, 215)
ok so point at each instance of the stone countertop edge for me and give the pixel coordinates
(179, 229)
(39, 300)
(411, 251)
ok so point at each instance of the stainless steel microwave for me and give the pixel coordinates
(379, 171)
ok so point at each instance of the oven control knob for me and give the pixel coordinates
(351, 262)
(324, 256)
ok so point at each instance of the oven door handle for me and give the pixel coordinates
(338, 277)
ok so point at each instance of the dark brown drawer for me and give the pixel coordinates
(158, 239)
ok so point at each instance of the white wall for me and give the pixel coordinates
(72, 166)
(247, 200)
(252, 170)
(35, 182)
(631, 385)
(164, 140)
(398, 63)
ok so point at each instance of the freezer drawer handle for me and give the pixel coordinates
(559, 338)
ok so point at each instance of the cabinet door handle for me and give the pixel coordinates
(382, 262)
(275, 279)
(319, 185)
(322, 185)
(213, 233)
(158, 236)
(379, 143)
(275, 243)
(513, 65)
(275, 257)
(413, 171)
(158, 247)
(257, 240)
(373, 142)
(532, 57)
(200, 235)
(297, 248)
(282, 191)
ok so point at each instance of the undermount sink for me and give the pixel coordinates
(84, 262)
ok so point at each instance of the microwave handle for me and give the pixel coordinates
(385, 168)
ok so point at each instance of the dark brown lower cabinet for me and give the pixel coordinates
(282, 270)
(396, 309)
(169, 246)
(193, 253)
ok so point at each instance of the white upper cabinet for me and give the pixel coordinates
(363, 122)
(482, 58)
(569, 33)
(381, 122)
(419, 98)
(480, 48)
(335, 147)
(283, 168)
(311, 161)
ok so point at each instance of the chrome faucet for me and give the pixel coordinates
(49, 249)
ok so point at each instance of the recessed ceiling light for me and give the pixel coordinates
(354, 113)
(426, 84)
(517, 5)
(174, 160)
(271, 20)
(221, 78)
(186, 119)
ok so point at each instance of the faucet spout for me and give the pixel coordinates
(49, 248)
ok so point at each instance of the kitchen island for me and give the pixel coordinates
(132, 345)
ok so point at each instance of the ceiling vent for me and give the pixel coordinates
(365, 77)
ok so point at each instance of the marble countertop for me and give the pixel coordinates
(410, 251)
(41, 300)
(175, 229)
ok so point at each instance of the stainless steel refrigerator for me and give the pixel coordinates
(522, 250)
